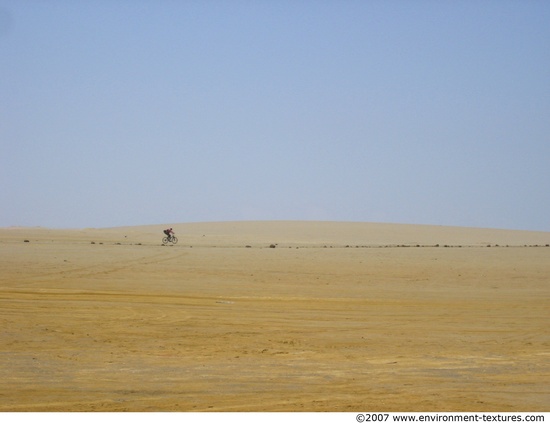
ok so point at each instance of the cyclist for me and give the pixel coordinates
(168, 233)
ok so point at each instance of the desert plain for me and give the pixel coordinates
(275, 316)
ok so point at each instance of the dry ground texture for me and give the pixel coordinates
(337, 317)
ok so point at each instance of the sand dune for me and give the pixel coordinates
(337, 317)
(291, 233)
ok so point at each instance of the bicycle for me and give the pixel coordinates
(171, 239)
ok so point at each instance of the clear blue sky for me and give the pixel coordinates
(130, 112)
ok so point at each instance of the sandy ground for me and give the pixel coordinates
(337, 317)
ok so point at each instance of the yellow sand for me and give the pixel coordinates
(337, 317)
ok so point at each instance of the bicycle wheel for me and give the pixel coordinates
(165, 240)
(174, 240)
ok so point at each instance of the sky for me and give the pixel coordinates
(137, 112)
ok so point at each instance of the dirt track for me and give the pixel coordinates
(211, 324)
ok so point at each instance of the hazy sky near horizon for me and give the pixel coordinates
(130, 112)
